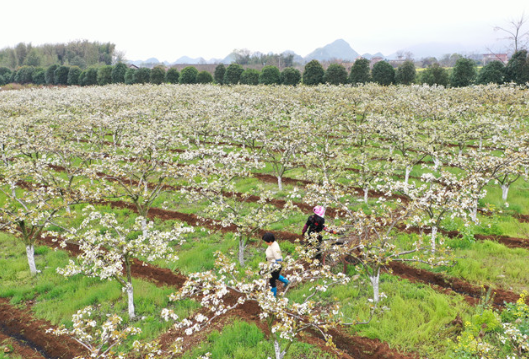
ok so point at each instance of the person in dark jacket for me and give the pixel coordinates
(316, 224)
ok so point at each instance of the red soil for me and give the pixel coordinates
(21, 325)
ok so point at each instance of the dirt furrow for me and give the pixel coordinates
(11, 346)
(21, 325)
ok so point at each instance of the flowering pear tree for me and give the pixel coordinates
(480, 167)
(213, 180)
(515, 156)
(437, 198)
(404, 136)
(109, 249)
(35, 196)
(283, 141)
(285, 318)
(371, 238)
(369, 172)
(324, 159)
(140, 170)
(248, 133)
(98, 340)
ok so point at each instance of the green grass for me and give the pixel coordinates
(491, 263)
(241, 340)
(417, 319)
(56, 298)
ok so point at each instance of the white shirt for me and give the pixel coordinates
(273, 252)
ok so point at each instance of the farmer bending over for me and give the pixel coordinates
(316, 224)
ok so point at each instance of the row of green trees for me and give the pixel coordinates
(81, 53)
(464, 73)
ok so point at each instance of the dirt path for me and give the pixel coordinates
(11, 346)
(30, 334)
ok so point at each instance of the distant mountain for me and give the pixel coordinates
(338, 49)
(152, 60)
(189, 60)
(228, 59)
(437, 50)
(369, 56)
(297, 58)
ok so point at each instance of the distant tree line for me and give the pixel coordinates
(80, 53)
(464, 73)
(245, 57)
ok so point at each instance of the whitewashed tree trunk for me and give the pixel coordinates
(480, 144)
(13, 191)
(242, 246)
(375, 283)
(277, 349)
(474, 213)
(145, 189)
(68, 209)
(366, 191)
(432, 237)
(30, 252)
(460, 152)
(437, 163)
(130, 295)
(391, 150)
(280, 183)
(504, 192)
(144, 227)
(407, 174)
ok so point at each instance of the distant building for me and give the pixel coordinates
(495, 57)
(375, 59)
(132, 66)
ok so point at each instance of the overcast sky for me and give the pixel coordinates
(168, 30)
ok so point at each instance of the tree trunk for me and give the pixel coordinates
(474, 213)
(144, 227)
(242, 246)
(375, 283)
(277, 349)
(130, 295)
(366, 190)
(68, 209)
(407, 175)
(432, 238)
(391, 150)
(480, 144)
(30, 252)
(504, 192)
(437, 163)
(280, 183)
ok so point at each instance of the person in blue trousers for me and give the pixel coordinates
(273, 255)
